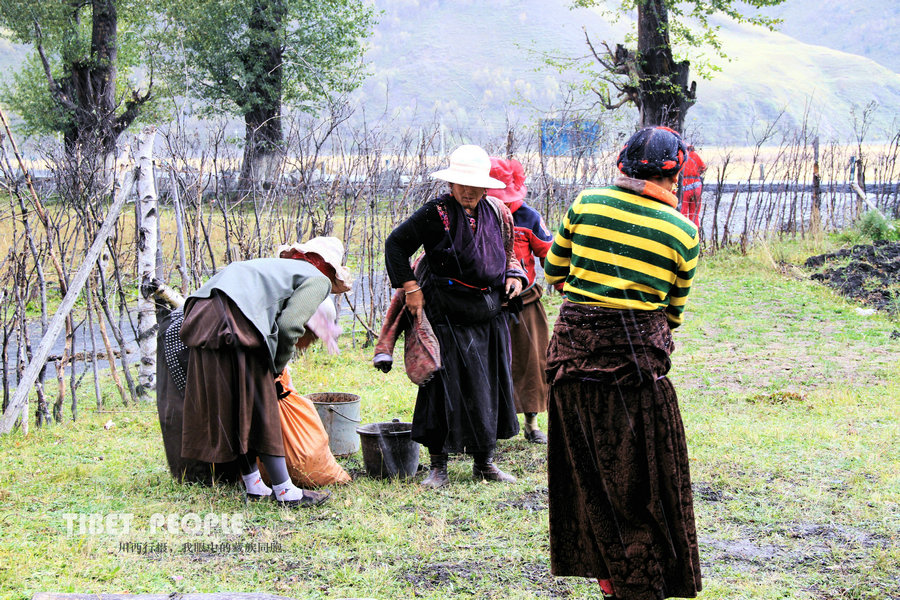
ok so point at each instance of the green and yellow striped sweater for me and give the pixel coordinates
(620, 249)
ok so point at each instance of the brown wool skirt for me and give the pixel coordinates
(621, 506)
(530, 337)
(170, 408)
(230, 405)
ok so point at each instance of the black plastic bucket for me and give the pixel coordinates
(388, 449)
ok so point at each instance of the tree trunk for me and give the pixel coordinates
(90, 84)
(148, 212)
(664, 96)
(262, 118)
(87, 94)
(262, 144)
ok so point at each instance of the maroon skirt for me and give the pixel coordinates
(230, 404)
(621, 506)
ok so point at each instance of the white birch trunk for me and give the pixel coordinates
(148, 211)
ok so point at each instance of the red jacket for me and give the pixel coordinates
(532, 238)
(693, 169)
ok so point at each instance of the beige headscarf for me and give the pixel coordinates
(331, 251)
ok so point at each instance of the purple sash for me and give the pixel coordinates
(467, 268)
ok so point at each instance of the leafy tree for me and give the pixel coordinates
(75, 82)
(250, 57)
(649, 76)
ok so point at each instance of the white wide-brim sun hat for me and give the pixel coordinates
(469, 165)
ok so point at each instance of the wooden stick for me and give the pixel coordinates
(862, 196)
(110, 356)
(8, 420)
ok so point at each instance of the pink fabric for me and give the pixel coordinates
(422, 351)
(324, 324)
(512, 174)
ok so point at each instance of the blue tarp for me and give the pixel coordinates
(569, 137)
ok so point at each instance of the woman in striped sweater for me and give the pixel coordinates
(621, 508)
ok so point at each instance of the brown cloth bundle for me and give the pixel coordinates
(421, 350)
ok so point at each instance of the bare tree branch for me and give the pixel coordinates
(57, 91)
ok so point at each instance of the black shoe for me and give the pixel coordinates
(536, 436)
(310, 498)
(437, 478)
(490, 472)
(484, 468)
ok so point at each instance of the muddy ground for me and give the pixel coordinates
(869, 274)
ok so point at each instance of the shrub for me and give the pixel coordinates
(875, 226)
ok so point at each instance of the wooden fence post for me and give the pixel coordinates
(815, 218)
(864, 198)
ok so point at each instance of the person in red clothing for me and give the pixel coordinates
(692, 186)
(529, 330)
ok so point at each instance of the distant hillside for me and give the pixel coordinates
(867, 28)
(476, 67)
(771, 73)
(472, 65)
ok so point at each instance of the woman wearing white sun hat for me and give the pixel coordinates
(241, 328)
(468, 268)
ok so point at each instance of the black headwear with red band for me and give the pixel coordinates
(653, 152)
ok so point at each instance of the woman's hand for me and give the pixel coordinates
(415, 299)
(306, 339)
(513, 287)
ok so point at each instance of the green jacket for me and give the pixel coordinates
(277, 295)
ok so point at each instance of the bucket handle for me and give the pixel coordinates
(331, 408)
(396, 433)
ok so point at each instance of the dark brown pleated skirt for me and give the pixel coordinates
(530, 337)
(231, 406)
(170, 408)
(621, 506)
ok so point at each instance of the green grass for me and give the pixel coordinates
(791, 402)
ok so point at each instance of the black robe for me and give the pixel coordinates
(469, 404)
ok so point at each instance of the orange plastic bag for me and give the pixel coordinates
(310, 462)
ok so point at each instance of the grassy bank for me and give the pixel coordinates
(791, 401)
